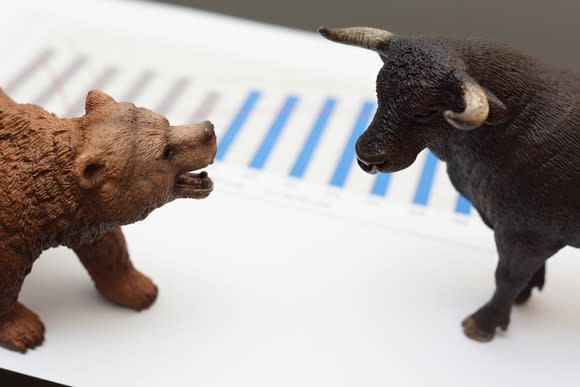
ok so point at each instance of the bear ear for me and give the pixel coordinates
(96, 98)
(89, 171)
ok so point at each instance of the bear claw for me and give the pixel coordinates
(21, 329)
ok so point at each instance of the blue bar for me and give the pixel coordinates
(311, 142)
(265, 148)
(463, 205)
(345, 162)
(381, 184)
(237, 123)
(426, 180)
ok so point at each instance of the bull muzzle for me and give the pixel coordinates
(370, 158)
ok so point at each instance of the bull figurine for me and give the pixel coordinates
(508, 128)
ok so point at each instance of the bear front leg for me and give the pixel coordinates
(108, 264)
(20, 328)
(521, 256)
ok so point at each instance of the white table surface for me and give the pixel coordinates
(257, 290)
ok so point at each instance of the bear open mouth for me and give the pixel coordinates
(194, 185)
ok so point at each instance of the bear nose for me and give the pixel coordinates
(209, 130)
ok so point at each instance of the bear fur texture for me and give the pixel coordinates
(74, 182)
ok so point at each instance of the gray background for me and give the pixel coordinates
(546, 29)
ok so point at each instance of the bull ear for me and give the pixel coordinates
(473, 99)
(89, 171)
(97, 98)
(481, 106)
(498, 112)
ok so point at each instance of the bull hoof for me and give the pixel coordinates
(471, 330)
(21, 329)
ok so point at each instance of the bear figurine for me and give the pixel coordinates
(74, 182)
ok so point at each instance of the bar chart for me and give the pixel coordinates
(297, 133)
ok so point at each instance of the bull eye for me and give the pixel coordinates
(167, 153)
(426, 115)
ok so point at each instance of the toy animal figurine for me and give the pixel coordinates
(508, 128)
(73, 182)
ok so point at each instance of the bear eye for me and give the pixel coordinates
(167, 153)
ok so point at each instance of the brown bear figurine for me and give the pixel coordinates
(74, 182)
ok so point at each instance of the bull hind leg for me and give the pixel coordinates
(521, 258)
(20, 328)
(107, 261)
(538, 280)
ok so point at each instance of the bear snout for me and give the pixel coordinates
(209, 131)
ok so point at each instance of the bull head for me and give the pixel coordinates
(398, 132)
(474, 98)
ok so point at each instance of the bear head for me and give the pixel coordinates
(129, 161)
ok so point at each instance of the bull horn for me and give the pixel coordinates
(476, 105)
(364, 37)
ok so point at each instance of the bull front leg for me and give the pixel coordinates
(107, 261)
(20, 328)
(521, 258)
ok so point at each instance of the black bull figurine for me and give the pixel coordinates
(508, 128)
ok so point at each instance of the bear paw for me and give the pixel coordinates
(21, 329)
(132, 290)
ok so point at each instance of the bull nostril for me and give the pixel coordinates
(368, 154)
(372, 167)
(364, 166)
